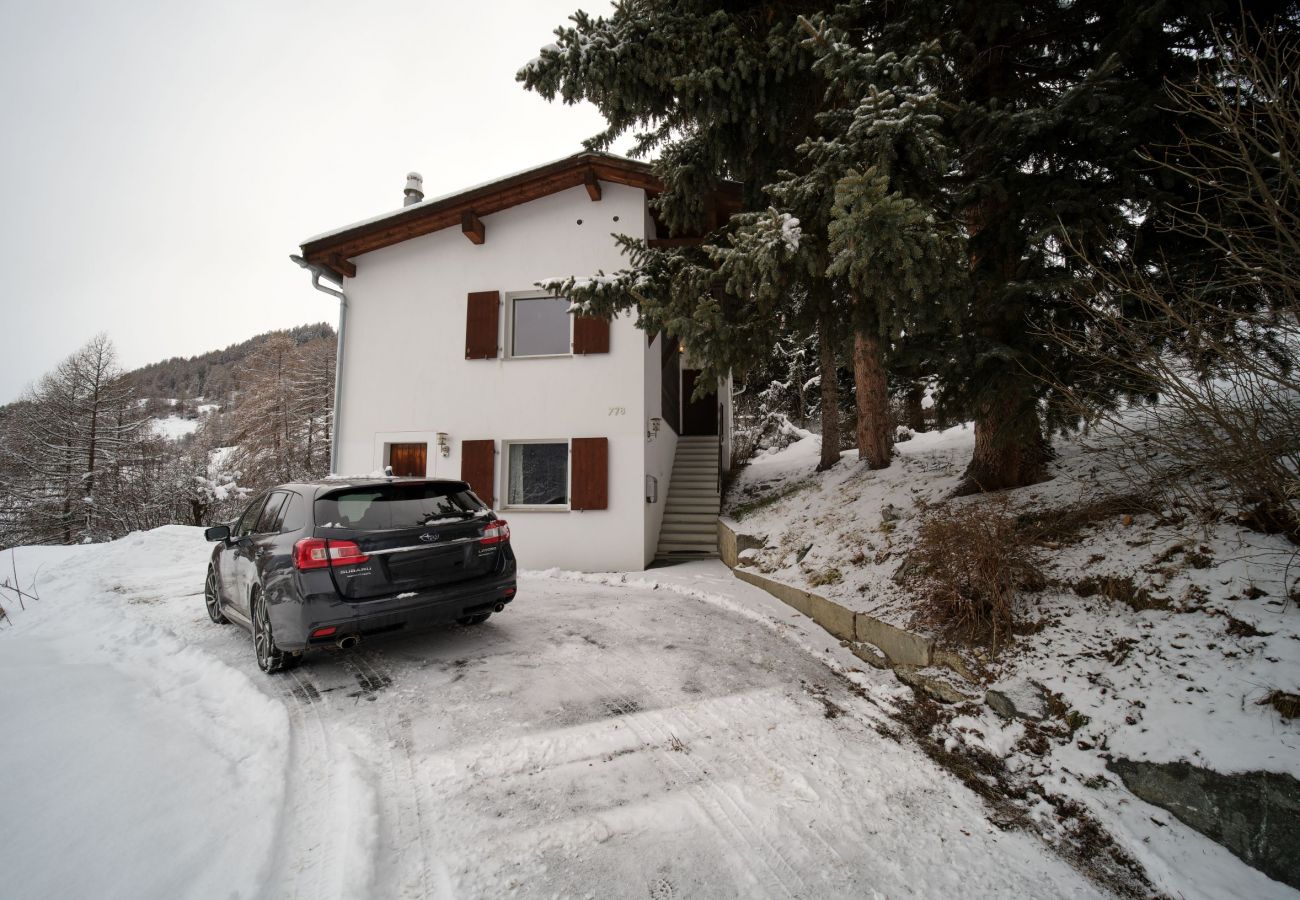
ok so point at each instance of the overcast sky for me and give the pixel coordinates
(161, 160)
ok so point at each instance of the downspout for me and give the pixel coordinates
(316, 272)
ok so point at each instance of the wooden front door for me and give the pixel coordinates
(698, 416)
(408, 460)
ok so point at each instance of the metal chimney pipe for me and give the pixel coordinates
(414, 189)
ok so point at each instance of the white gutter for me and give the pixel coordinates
(317, 272)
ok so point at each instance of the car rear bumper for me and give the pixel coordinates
(390, 615)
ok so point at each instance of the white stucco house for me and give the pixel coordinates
(452, 363)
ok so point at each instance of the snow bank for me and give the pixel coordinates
(1180, 677)
(119, 738)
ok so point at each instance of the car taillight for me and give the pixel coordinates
(317, 553)
(496, 531)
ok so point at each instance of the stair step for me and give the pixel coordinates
(681, 550)
(708, 529)
(695, 518)
(697, 541)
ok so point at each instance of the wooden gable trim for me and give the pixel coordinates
(593, 185)
(426, 218)
(344, 267)
(472, 227)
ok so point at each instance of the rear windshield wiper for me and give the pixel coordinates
(454, 514)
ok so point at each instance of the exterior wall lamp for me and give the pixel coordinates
(444, 443)
(653, 431)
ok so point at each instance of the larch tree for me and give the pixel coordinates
(69, 449)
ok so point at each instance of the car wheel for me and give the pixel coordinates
(473, 620)
(270, 658)
(212, 599)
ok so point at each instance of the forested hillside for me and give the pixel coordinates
(213, 375)
(90, 452)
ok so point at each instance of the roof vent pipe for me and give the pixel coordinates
(414, 189)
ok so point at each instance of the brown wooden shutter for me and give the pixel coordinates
(478, 468)
(481, 315)
(590, 335)
(590, 488)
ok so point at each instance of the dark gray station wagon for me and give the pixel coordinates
(327, 563)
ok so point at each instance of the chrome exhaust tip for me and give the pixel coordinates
(347, 643)
(498, 607)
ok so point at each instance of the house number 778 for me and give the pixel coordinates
(618, 411)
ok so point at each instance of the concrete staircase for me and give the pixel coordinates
(690, 526)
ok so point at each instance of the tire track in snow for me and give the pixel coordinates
(407, 819)
(305, 838)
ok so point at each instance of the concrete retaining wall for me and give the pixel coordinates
(897, 646)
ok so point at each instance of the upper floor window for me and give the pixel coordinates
(540, 325)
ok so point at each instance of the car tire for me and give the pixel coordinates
(270, 658)
(212, 598)
(473, 620)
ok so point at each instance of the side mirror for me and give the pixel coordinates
(217, 533)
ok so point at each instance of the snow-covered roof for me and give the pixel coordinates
(433, 201)
(332, 249)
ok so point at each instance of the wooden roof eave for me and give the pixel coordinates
(483, 201)
(335, 251)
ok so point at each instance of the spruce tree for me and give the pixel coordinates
(1047, 107)
(1029, 121)
(719, 92)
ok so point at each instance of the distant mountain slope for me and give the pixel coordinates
(210, 375)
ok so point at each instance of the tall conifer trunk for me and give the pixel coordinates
(1010, 450)
(830, 398)
(1009, 447)
(915, 408)
(875, 431)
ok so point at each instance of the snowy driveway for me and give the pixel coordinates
(595, 740)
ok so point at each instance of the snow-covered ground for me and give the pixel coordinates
(674, 733)
(1181, 679)
(174, 427)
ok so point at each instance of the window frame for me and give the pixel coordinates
(280, 498)
(237, 532)
(506, 505)
(510, 298)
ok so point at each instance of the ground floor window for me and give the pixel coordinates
(537, 473)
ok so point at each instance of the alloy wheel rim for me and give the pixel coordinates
(210, 594)
(262, 636)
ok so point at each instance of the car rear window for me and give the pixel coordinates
(389, 506)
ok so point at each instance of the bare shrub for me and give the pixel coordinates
(1286, 704)
(972, 561)
(1217, 346)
